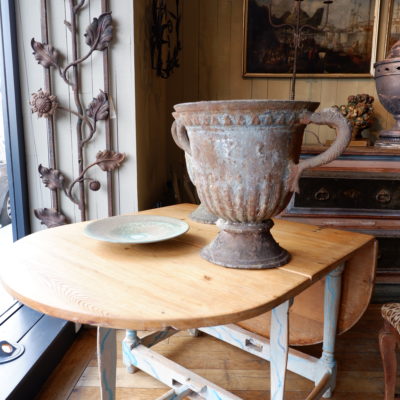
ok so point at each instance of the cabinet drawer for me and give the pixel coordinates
(389, 255)
(349, 194)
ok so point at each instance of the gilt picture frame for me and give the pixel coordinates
(392, 34)
(337, 43)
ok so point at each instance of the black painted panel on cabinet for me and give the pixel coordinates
(345, 194)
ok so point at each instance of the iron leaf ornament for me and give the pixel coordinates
(51, 178)
(50, 217)
(99, 33)
(45, 54)
(109, 160)
(99, 107)
(98, 36)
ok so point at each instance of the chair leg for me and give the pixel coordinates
(388, 338)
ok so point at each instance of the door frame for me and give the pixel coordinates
(13, 121)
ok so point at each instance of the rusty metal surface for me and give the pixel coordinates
(246, 246)
(202, 215)
(51, 138)
(98, 36)
(244, 162)
(105, 8)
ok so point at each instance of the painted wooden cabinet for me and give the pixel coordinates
(359, 192)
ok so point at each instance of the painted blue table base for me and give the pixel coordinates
(107, 361)
(137, 354)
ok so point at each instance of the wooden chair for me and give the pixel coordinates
(389, 338)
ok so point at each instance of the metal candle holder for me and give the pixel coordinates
(202, 214)
(165, 43)
(298, 29)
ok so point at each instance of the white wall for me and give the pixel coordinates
(122, 95)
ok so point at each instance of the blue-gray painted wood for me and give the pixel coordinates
(298, 362)
(322, 371)
(131, 340)
(279, 339)
(172, 374)
(13, 123)
(176, 394)
(107, 361)
(153, 338)
(138, 355)
(333, 285)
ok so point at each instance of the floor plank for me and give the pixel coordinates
(62, 381)
(360, 374)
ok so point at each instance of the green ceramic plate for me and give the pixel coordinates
(136, 229)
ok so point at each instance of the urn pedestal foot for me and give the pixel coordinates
(245, 246)
(202, 215)
(388, 139)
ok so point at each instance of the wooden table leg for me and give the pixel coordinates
(333, 284)
(388, 339)
(279, 339)
(107, 361)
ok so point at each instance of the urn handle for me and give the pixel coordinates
(332, 118)
(180, 136)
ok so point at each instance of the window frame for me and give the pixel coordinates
(13, 121)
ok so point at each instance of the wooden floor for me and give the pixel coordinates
(360, 375)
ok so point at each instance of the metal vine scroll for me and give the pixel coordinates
(98, 36)
(165, 43)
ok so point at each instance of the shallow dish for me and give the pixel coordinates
(136, 229)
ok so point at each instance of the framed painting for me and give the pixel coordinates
(338, 38)
(393, 27)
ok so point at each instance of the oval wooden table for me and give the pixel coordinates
(167, 286)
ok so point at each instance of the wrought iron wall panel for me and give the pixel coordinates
(97, 38)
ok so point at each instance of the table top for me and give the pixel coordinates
(63, 273)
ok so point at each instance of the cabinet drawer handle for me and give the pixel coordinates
(322, 195)
(383, 196)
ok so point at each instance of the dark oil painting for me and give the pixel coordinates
(337, 41)
(394, 29)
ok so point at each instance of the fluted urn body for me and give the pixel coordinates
(201, 213)
(244, 158)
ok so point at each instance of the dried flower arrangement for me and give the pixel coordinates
(359, 111)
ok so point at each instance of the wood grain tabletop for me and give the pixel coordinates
(66, 274)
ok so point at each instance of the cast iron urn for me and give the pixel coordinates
(244, 162)
(387, 80)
